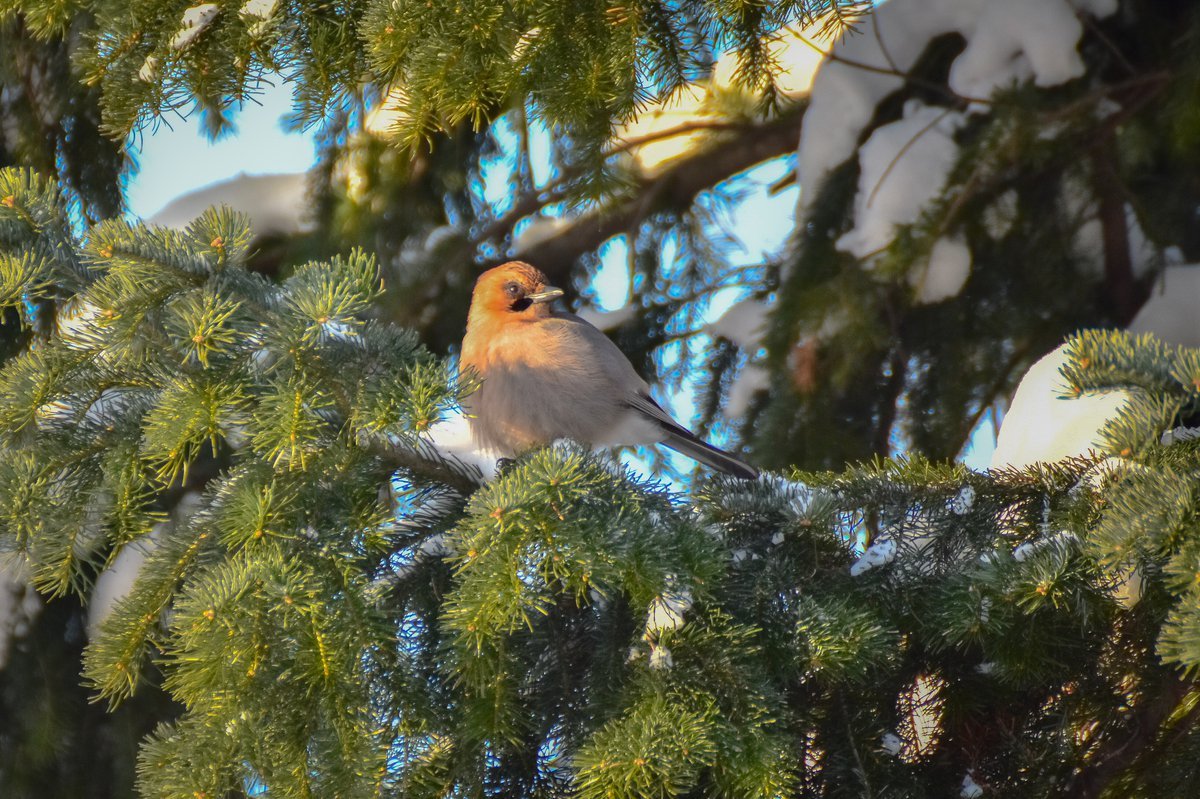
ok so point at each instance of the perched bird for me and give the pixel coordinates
(549, 375)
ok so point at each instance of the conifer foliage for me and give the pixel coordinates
(331, 606)
(339, 611)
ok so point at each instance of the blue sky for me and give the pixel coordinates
(177, 158)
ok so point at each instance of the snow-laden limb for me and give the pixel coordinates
(1179, 434)
(660, 658)
(115, 582)
(149, 70)
(405, 562)
(1006, 42)
(258, 9)
(101, 411)
(749, 383)
(804, 502)
(441, 467)
(1030, 548)
(1021, 40)
(904, 164)
(1128, 588)
(195, 21)
(435, 547)
(529, 39)
(259, 16)
(535, 230)
(19, 604)
(276, 204)
(741, 555)
(419, 459)
(1171, 312)
(78, 323)
(745, 324)
(1043, 425)
(903, 167)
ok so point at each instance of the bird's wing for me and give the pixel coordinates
(570, 338)
(644, 404)
(594, 370)
(680, 439)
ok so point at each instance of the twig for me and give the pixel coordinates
(900, 154)
(989, 396)
(1090, 23)
(862, 771)
(887, 56)
(556, 189)
(895, 73)
(675, 187)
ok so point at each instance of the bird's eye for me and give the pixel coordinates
(512, 289)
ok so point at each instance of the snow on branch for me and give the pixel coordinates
(1006, 43)
(195, 21)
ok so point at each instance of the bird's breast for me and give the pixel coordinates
(532, 394)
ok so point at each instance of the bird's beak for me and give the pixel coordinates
(547, 294)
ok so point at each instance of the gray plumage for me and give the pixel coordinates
(548, 375)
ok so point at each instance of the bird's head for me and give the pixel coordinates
(512, 290)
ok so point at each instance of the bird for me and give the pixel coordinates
(545, 374)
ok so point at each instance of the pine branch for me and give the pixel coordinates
(424, 461)
(560, 188)
(676, 188)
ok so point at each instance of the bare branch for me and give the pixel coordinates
(676, 188)
(559, 189)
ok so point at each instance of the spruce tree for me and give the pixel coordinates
(52, 740)
(331, 606)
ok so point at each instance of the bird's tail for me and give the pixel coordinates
(709, 455)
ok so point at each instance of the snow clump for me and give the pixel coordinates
(195, 20)
(881, 553)
(667, 610)
(1042, 425)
